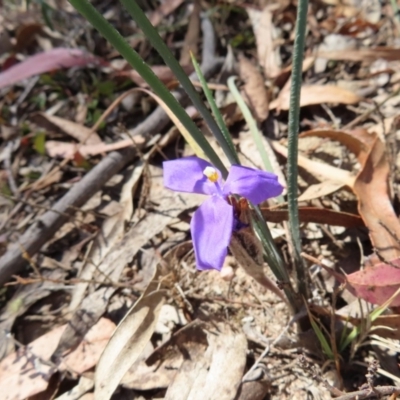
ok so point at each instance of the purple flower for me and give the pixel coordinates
(213, 222)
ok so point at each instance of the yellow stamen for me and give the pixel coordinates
(211, 174)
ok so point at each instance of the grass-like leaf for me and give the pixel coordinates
(215, 110)
(252, 124)
(326, 348)
(293, 139)
(152, 35)
(133, 58)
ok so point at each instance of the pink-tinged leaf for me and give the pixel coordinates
(376, 284)
(44, 62)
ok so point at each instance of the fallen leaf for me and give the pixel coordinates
(163, 72)
(376, 284)
(254, 88)
(315, 215)
(166, 8)
(44, 62)
(316, 94)
(59, 149)
(79, 132)
(28, 371)
(199, 376)
(190, 43)
(320, 171)
(264, 31)
(367, 55)
(357, 141)
(374, 205)
(26, 34)
(128, 340)
(320, 190)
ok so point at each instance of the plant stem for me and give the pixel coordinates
(293, 131)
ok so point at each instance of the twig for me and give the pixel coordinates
(367, 394)
(8, 167)
(49, 223)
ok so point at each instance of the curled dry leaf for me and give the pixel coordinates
(254, 88)
(316, 94)
(51, 60)
(375, 207)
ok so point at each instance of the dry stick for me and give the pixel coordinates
(42, 230)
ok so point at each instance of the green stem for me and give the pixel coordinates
(133, 58)
(293, 131)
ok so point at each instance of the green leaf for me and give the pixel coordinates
(39, 143)
(152, 35)
(133, 58)
(217, 115)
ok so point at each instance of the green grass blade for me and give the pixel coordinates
(133, 58)
(326, 348)
(215, 110)
(152, 35)
(252, 124)
(293, 132)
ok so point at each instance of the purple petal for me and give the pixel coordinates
(186, 175)
(211, 228)
(253, 184)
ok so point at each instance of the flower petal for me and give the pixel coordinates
(186, 175)
(211, 228)
(253, 184)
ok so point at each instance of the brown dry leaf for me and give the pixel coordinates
(367, 55)
(254, 88)
(28, 371)
(320, 190)
(167, 206)
(375, 207)
(214, 374)
(319, 170)
(79, 132)
(111, 233)
(316, 94)
(357, 141)
(26, 34)
(315, 215)
(264, 32)
(192, 36)
(129, 340)
(390, 321)
(163, 73)
(166, 8)
(68, 150)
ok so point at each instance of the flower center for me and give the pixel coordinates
(211, 174)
